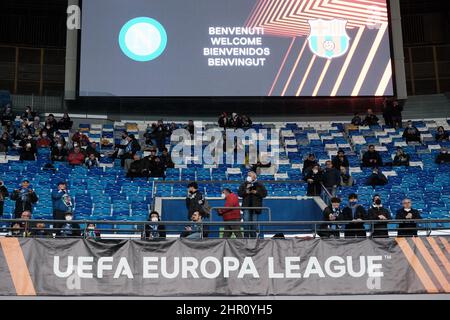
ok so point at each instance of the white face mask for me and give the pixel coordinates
(249, 179)
(69, 218)
(315, 171)
(28, 145)
(223, 196)
(44, 135)
(407, 210)
(154, 219)
(59, 145)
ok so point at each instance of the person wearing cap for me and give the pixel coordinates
(61, 202)
(25, 197)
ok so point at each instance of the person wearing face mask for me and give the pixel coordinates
(355, 213)
(28, 152)
(35, 127)
(331, 213)
(441, 135)
(152, 230)
(196, 202)
(44, 140)
(314, 180)
(65, 123)
(346, 179)
(25, 198)
(10, 128)
(401, 158)
(23, 131)
(28, 115)
(309, 162)
(378, 212)
(234, 214)
(411, 133)
(407, 213)
(443, 156)
(372, 158)
(91, 232)
(62, 203)
(340, 160)
(69, 229)
(5, 142)
(252, 193)
(59, 152)
(377, 178)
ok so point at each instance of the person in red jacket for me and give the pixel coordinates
(76, 157)
(231, 201)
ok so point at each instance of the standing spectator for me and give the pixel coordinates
(387, 112)
(309, 162)
(236, 121)
(62, 202)
(28, 151)
(10, 128)
(331, 178)
(65, 123)
(91, 161)
(355, 213)
(443, 156)
(59, 152)
(194, 231)
(378, 212)
(190, 127)
(371, 119)
(76, 157)
(233, 214)
(119, 149)
(314, 180)
(23, 131)
(331, 213)
(3, 195)
(160, 133)
(224, 120)
(396, 114)
(411, 133)
(152, 230)
(43, 140)
(401, 158)
(70, 229)
(28, 115)
(340, 160)
(51, 121)
(356, 120)
(166, 159)
(252, 192)
(195, 201)
(346, 179)
(407, 213)
(441, 135)
(372, 158)
(377, 178)
(8, 115)
(25, 197)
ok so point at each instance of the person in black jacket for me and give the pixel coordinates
(69, 229)
(224, 120)
(195, 201)
(130, 149)
(441, 135)
(3, 195)
(411, 133)
(65, 123)
(401, 158)
(387, 112)
(25, 197)
(340, 160)
(314, 179)
(59, 152)
(378, 212)
(166, 159)
(28, 152)
(356, 120)
(396, 114)
(155, 231)
(407, 229)
(309, 162)
(355, 213)
(28, 114)
(331, 213)
(377, 178)
(331, 178)
(92, 149)
(372, 158)
(252, 193)
(371, 119)
(443, 157)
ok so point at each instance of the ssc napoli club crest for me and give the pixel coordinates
(328, 38)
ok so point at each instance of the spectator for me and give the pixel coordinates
(234, 214)
(331, 178)
(23, 131)
(28, 115)
(411, 133)
(5, 143)
(39, 231)
(246, 121)
(10, 128)
(52, 122)
(3, 195)
(236, 120)
(24, 228)
(355, 213)
(387, 113)
(407, 213)
(91, 161)
(8, 115)
(378, 212)
(28, 140)
(136, 168)
(159, 133)
(252, 193)
(396, 114)
(314, 180)
(194, 231)
(441, 135)
(28, 152)
(80, 138)
(224, 120)
(377, 178)
(62, 203)
(70, 229)
(152, 230)
(166, 159)
(443, 156)
(401, 158)
(25, 197)
(196, 202)
(371, 119)
(340, 160)
(157, 169)
(92, 149)
(309, 162)
(65, 123)
(91, 232)
(76, 157)
(331, 213)
(119, 149)
(131, 148)
(43, 141)
(372, 158)
(59, 152)
(346, 179)
(35, 127)
(190, 127)
(356, 120)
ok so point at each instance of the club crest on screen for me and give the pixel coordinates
(328, 38)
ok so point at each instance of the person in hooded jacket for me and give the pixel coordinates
(378, 212)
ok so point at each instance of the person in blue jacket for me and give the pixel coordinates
(62, 203)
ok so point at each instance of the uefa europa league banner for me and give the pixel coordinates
(223, 267)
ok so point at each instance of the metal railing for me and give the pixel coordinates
(269, 211)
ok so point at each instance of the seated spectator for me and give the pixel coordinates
(331, 213)
(443, 156)
(232, 214)
(70, 229)
(401, 158)
(80, 138)
(35, 127)
(10, 128)
(91, 232)
(340, 160)
(246, 121)
(378, 212)
(28, 115)
(371, 119)
(5, 142)
(43, 141)
(309, 162)
(314, 180)
(407, 213)
(194, 231)
(59, 138)
(24, 228)
(157, 169)
(91, 161)
(441, 135)
(65, 123)
(131, 148)
(355, 213)
(92, 149)
(190, 127)
(59, 152)
(346, 179)
(136, 167)
(152, 230)
(50, 128)
(356, 120)
(28, 152)
(8, 115)
(39, 231)
(411, 133)
(23, 131)
(377, 178)
(51, 121)
(372, 158)
(166, 159)
(224, 120)
(76, 157)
